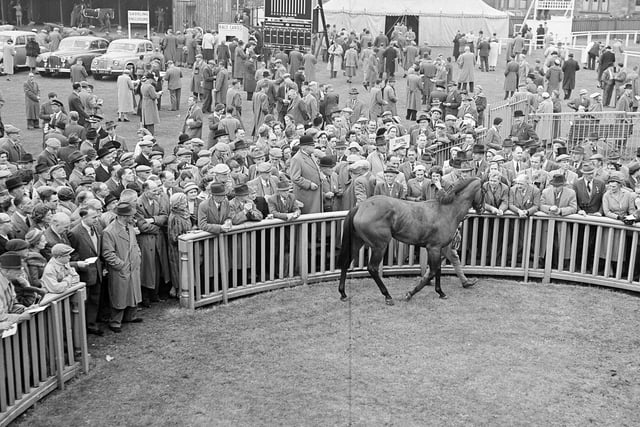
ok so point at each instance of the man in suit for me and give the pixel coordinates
(20, 217)
(265, 184)
(57, 115)
(517, 164)
(86, 239)
(355, 104)
(408, 168)
(12, 144)
(524, 198)
(144, 158)
(390, 186)
(453, 100)
(75, 104)
(214, 214)
(306, 177)
(283, 205)
(297, 108)
(118, 141)
(521, 129)
(558, 199)
(377, 101)
(564, 166)
(589, 191)
(106, 156)
(208, 78)
(56, 233)
(193, 120)
(173, 76)
(480, 164)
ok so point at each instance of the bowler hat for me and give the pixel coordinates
(306, 140)
(518, 113)
(184, 138)
(102, 152)
(10, 261)
(14, 182)
(327, 162)
(479, 149)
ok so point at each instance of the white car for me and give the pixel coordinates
(121, 54)
(20, 44)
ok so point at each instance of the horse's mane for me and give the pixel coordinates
(448, 197)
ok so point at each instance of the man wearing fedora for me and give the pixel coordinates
(480, 164)
(589, 191)
(521, 129)
(122, 256)
(106, 157)
(119, 142)
(214, 214)
(355, 104)
(306, 177)
(243, 209)
(558, 199)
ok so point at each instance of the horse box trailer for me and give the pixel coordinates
(227, 32)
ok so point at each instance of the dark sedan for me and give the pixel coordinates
(71, 49)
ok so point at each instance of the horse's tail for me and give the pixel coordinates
(344, 258)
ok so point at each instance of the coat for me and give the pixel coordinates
(554, 77)
(298, 110)
(8, 54)
(396, 191)
(569, 68)
(170, 48)
(528, 201)
(150, 114)
(377, 102)
(210, 218)
(84, 248)
(511, 76)
(389, 94)
(238, 63)
(249, 81)
(414, 92)
(260, 110)
(194, 128)
(125, 87)
(466, 62)
(222, 86)
(566, 201)
(32, 102)
(196, 80)
(279, 208)
(309, 61)
(335, 57)
(153, 243)
(590, 203)
(121, 254)
(304, 171)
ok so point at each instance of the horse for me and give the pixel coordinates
(431, 224)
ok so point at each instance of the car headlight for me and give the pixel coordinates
(116, 62)
(94, 62)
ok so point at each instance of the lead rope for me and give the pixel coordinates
(350, 351)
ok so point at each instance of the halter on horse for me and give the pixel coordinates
(431, 224)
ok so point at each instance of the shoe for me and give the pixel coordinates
(144, 304)
(469, 283)
(95, 331)
(136, 320)
(119, 119)
(115, 329)
(126, 120)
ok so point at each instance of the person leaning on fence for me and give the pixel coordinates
(243, 209)
(558, 199)
(10, 308)
(283, 205)
(58, 274)
(214, 214)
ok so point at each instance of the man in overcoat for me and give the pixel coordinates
(152, 220)
(121, 254)
(306, 177)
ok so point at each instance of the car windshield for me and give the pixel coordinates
(74, 44)
(122, 47)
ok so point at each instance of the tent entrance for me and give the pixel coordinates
(409, 21)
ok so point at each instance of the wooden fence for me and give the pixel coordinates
(273, 254)
(42, 353)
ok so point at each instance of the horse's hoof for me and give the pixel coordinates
(389, 301)
(469, 283)
(443, 297)
(343, 299)
(408, 296)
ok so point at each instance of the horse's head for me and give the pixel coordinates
(478, 190)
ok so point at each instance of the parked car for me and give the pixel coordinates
(121, 54)
(20, 44)
(70, 50)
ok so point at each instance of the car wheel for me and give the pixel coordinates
(45, 73)
(97, 76)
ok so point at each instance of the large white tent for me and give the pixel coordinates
(438, 21)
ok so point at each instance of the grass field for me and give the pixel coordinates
(503, 353)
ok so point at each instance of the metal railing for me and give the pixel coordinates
(583, 38)
(616, 130)
(42, 353)
(505, 110)
(273, 254)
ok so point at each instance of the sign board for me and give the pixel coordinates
(287, 33)
(399, 142)
(227, 32)
(296, 9)
(138, 17)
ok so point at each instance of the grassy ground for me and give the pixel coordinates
(503, 353)
(169, 129)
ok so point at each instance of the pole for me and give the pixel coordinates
(2, 11)
(61, 15)
(119, 13)
(324, 24)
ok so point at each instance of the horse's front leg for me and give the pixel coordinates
(438, 288)
(433, 255)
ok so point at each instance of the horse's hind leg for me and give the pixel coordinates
(374, 270)
(356, 245)
(434, 270)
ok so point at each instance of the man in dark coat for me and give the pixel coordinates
(607, 59)
(522, 130)
(306, 177)
(75, 104)
(569, 68)
(390, 54)
(86, 239)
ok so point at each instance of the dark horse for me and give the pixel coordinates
(431, 224)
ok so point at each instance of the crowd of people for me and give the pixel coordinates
(107, 209)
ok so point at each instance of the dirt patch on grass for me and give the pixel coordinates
(503, 353)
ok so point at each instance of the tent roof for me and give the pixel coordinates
(458, 8)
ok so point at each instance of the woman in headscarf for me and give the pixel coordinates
(179, 224)
(35, 260)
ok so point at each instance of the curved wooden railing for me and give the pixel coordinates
(41, 353)
(272, 254)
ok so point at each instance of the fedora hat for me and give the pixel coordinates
(14, 182)
(518, 113)
(241, 190)
(558, 180)
(125, 209)
(588, 168)
(218, 189)
(183, 138)
(479, 149)
(327, 162)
